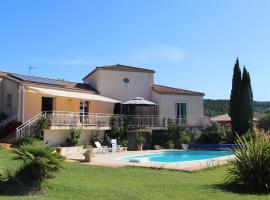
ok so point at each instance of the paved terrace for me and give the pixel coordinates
(115, 160)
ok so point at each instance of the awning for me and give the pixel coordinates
(71, 94)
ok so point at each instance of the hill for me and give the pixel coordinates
(218, 107)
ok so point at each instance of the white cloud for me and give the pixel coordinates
(158, 53)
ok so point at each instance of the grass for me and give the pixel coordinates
(86, 182)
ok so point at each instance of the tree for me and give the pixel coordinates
(241, 101)
(246, 108)
(264, 122)
(235, 100)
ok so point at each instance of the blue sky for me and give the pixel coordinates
(191, 44)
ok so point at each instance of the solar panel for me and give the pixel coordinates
(36, 79)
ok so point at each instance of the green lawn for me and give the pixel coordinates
(84, 182)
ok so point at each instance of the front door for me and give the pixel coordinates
(47, 104)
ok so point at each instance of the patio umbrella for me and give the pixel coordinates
(139, 101)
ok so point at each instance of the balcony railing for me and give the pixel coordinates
(69, 119)
(80, 120)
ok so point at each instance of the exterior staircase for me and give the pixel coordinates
(8, 131)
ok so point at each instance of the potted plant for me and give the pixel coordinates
(184, 140)
(58, 150)
(157, 147)
(88, 154)
(139, 142)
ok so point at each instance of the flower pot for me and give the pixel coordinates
(139, 147)
(58, 150)
(185, 146)
(87, 158)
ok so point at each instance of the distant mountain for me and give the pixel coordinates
(218, 107)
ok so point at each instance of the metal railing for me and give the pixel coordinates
(27, 127)
(13, 118)
(78, 120)
(72, 119)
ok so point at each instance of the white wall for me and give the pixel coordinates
(58, 137)
(9, 87)
(110, 84)
(194, 106)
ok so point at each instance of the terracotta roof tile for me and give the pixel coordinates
(160, 89)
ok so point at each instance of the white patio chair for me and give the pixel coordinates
(115, 147)
(102, 149)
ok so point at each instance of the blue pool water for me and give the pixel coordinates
(181, 156)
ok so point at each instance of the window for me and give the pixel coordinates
(181, 113)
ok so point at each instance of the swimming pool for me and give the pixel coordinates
(178, 156)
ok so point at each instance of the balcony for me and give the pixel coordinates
(60, 119)
(68, 120)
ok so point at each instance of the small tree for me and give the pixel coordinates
(246, 108)
(74, 138)
(174, 132)
(41, 124)
(264, 122)
(235, 100)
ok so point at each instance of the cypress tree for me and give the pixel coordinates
(246, 108)
(235, 100)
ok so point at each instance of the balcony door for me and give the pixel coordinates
(84, 110)
(181, 113)
(47, 104)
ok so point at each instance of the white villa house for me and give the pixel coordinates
(106, 91)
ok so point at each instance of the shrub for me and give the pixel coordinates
(251, 167)
(160, 137)
(74, 138)
(3, 116)
(184, 138)
(27, 140)
(100, 138)
(139, 138)
(174, 130)
(170, 144)
(124, 143)
(212, 134)
(39, 162)
(264, 122)
(41, 124)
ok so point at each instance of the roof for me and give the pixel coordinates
(160, 89)
(51, 82)
(227, 118)
(119, 67)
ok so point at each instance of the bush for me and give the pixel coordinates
(100, 138)
(251, 167)
(39, 162)
(212, 134)
(170, 144)
(184, 138)
(160, 137)
(41, 124)
(3, 116)
(264, 122)
(74, 138)
(140, 139)
(27, 140)
(124, 143)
